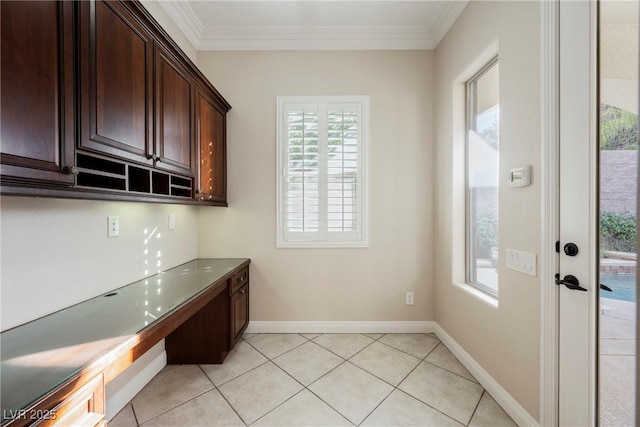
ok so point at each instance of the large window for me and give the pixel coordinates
(482, 155)
(322, 171)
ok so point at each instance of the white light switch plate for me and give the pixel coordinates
(524, 262)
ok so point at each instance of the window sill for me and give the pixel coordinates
(477, 293)
(321, 245)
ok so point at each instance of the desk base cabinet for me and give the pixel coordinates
(203, 338)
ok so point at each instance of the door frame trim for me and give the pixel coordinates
(549, 195)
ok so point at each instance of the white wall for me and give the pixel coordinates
(329, 284)
(56, 253)
(503, 339)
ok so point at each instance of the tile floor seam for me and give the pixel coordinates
(134, 413)
(330, 406)
(232, 408)
(362, 349)
(399, 349)
(329, 350)
(454, 373)
(376, 407)
(277, 406)
(433, 407)
(268, 358)
(382, 379)
(332, 352)
(402, 351)
(205, 374)
(177, 406)
(477, 406)
(239, 375)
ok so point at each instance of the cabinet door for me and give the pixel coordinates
(36, 81)
(116, 60)
(239, 313)
(174, 106)
(211, 140)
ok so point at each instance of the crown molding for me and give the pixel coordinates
(451, 11)
(186, 19)
(310, 38)
(316, 38)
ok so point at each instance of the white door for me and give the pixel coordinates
(578, 214)
(598, 74)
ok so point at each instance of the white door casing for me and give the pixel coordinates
(577, 310)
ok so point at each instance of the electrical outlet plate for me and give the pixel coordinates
(409, 298)
(172, 221)
(113, 226)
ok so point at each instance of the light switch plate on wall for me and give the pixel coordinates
(524, 262)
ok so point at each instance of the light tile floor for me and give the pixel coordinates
(319, 380)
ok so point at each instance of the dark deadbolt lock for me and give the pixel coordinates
(571, 249)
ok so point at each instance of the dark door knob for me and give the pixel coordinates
(571, 249)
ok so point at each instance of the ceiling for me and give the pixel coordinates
(314, 24)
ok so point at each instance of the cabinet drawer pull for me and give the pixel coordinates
(243, 291)
(241, 279)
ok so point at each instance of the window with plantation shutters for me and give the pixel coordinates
(322, 165)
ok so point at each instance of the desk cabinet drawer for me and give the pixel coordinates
(238, 280)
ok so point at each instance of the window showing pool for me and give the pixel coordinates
(623, 286)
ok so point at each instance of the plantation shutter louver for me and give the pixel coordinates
(321, 152)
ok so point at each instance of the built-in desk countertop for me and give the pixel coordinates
(43, 355)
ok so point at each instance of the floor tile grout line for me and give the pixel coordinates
(476, 408)
(177, 406)
(427, 404)
(205, 374)
(342, 357)
(279, 405)
(454, 373)
(448, 370)
(232, 407)
(134, 413)
(376, 407)
(243, 373)
(287, 351)
(329, 405)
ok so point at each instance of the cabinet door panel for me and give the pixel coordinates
(116, 79)
(239, 313)
(174, 94)
(211, 130)
(37, 91)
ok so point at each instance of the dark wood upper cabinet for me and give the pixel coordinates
(37, 101)
(174, 113)
(116, 78)
(212, 150)
(99, 103)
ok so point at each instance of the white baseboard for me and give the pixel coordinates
(125, 386)
(504, 399)
(520, 415)
(320, 327)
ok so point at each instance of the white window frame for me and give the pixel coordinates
(471, 116)
(323, 238)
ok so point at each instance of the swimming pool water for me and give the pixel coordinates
(622, 285)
